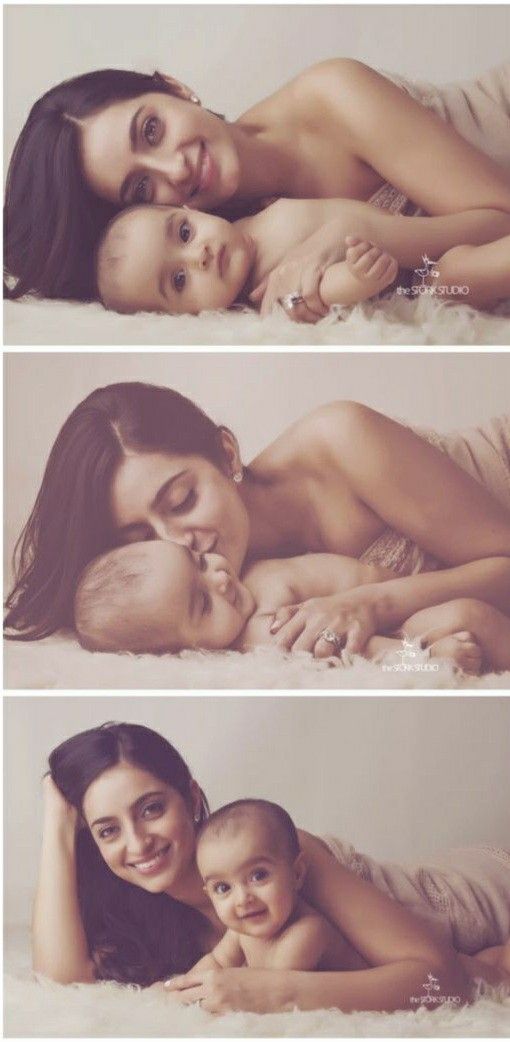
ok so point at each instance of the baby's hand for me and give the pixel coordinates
(369, 263)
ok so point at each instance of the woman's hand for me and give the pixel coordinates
(351, 616)
(222, 990)
(301, 272)
(57, 811)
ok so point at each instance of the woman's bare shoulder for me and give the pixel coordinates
(312, 439)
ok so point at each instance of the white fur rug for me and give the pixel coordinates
(41, 1009)
(395, 320)
(59, 662)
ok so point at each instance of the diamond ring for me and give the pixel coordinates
(332, 638)
(291, 300)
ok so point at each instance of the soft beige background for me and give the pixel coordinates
(256, 394)
(399, 777)
(233, 55)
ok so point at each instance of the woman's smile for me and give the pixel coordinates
(153, 865)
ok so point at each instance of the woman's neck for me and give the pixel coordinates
(266, 162)
(279, 517)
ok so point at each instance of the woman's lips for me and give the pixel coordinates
(207, 170)
(153, 864)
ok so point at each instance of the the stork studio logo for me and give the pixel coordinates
(410, 658)
(423, 283)
(430, 997)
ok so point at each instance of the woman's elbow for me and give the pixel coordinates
(64, 974)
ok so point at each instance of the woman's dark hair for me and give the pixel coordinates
(70, 523)
(52, 219)
(133, 936)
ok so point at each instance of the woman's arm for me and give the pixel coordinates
(404, 142)
(417, 490)
(315, 266)
(59, 944)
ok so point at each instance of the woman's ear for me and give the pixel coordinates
(178, 89)
(232, 453)
(300, 868)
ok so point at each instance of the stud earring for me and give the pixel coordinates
(237, 477)
(196, 818)
(194, 100)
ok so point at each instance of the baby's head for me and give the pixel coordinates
(169, 258)
(249, 858)
(159, 596)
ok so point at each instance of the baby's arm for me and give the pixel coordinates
(302, 945)
(226, 953)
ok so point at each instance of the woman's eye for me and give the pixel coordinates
(221, 889)
(143, 191)
(185, 504)
(107, 832)
(151, 130)
(179, 280)
(184, 231)
(259, 874)
(152, 809)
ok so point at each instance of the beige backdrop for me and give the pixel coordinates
(233, 55)
(257, 394)
(399, 777)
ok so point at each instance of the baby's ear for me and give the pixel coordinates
(300, 868)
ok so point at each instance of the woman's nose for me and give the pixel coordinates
(138, 841)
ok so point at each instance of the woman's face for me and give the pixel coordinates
(185, 499)
(162, 149)
(143, 827)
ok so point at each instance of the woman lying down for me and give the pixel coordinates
(160, 596)
(168, 258)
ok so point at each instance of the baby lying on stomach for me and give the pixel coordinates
(250, 860)
(159, 596)
(168, 258)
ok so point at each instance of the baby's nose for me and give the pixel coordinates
(203, 257)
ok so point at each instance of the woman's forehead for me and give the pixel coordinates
(117, 787)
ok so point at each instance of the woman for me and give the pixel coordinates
(122, 897)
(135, 462)
(112, 138)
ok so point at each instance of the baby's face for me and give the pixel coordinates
(252, 885)
(167, 258)
(190, 600)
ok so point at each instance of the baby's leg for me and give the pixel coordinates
(485, 270)
(467, 630)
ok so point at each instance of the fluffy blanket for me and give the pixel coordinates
(59, 662)
(42, 1009)
(395, 320)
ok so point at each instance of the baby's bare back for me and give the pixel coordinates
(277, 583)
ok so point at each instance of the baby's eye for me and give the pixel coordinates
(259, 875)
(206, 603)
(184, 231)
(179, 280)
(107, 832)
(221, 889)
(151, 130)
(143, 191)
(151, 810)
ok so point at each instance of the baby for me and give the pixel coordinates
(159, 596)
(249, 858)
(167, 258)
